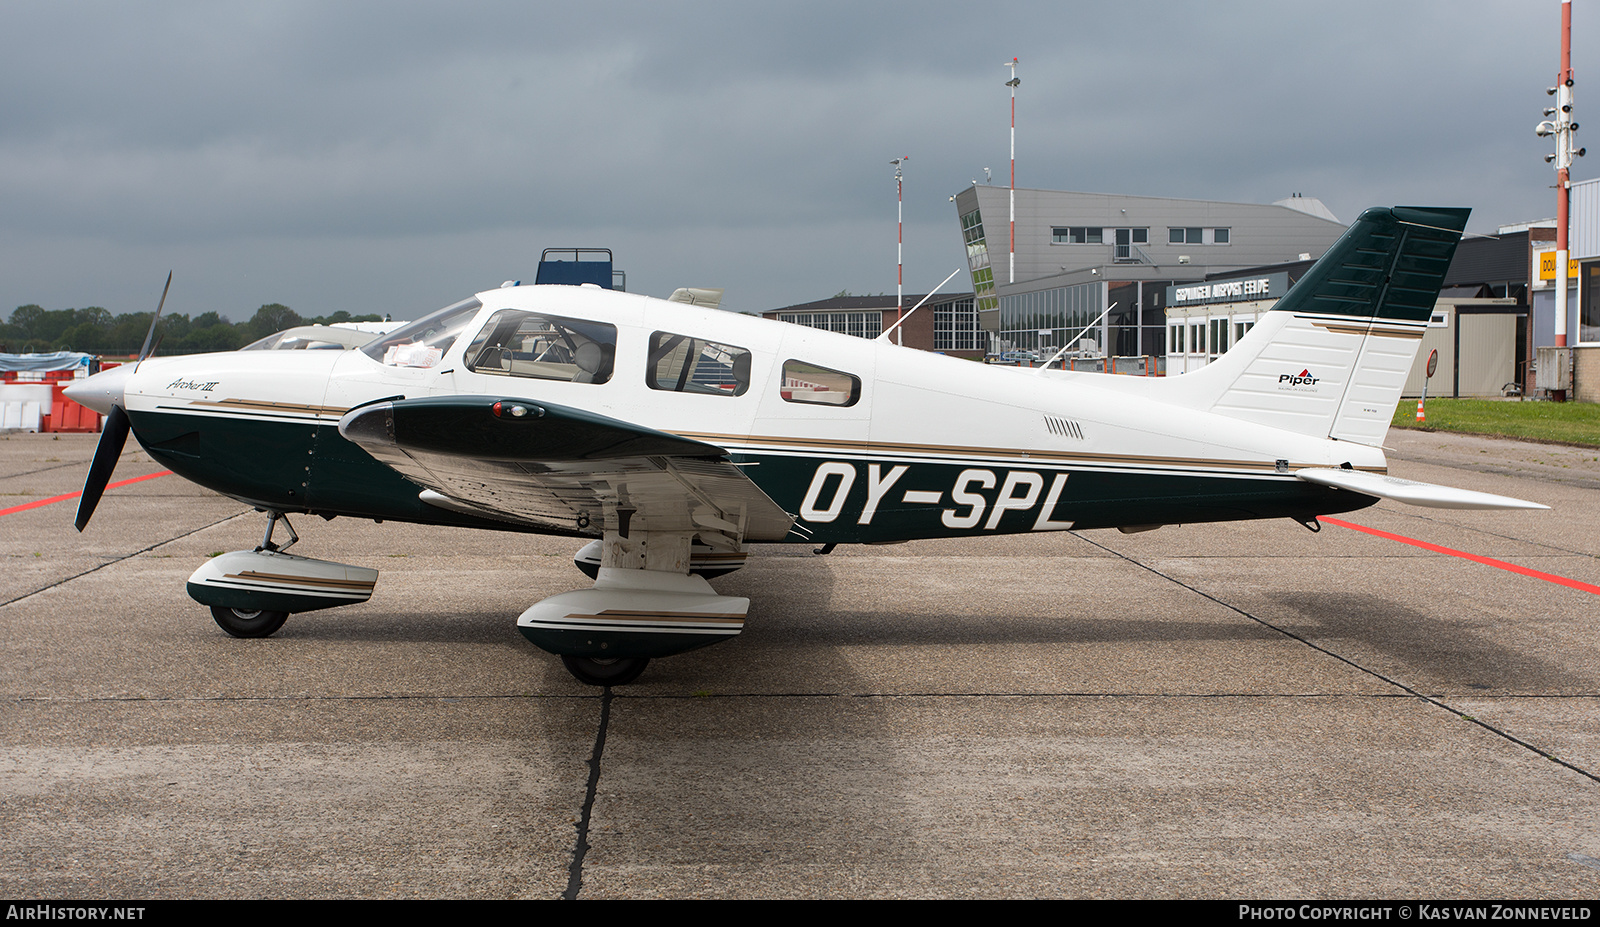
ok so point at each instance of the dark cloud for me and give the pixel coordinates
(385, 157)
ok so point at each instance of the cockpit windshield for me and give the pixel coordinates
(424, 342)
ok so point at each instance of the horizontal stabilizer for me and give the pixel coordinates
(1410, 491)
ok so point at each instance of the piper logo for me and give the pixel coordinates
(1303, 378)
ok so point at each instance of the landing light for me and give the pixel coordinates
(515, 410)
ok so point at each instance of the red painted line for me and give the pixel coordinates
(1486, 561)
(73, 495)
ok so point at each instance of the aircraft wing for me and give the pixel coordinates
(1410, 491)
(554, 466)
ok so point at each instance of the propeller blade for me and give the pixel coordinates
(112, 438)
(145, 351)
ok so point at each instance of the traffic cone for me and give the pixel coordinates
(1420, 417)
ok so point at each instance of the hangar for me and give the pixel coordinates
(948, 323)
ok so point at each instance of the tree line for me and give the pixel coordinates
(34, 329)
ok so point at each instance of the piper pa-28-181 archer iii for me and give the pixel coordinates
(676, 436)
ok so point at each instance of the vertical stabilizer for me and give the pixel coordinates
(1332, 356)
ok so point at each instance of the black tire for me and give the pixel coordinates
(241, 622)
(597, 672)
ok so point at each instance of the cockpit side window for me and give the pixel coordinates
(809, 383)
(683, 364)
(424, 342)
(516, 343)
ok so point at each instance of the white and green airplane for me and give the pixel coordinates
(672, 437)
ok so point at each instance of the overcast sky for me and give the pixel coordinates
(394, 157)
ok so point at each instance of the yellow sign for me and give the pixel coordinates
(1547, 266)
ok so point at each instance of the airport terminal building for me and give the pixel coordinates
(1076, 254)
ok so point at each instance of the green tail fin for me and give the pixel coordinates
(1389, 265)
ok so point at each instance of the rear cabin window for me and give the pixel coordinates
(809, 383)
(683, 364)
(516, 343)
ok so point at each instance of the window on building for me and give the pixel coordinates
(1191, 235)
(1219, 336)
(972, 237)
(1126, 245)
(977, 261)
(860, 324)
(955, 326)
(1589, 300)
(1078, 235)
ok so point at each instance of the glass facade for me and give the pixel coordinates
(978, 261)
(1042, 321)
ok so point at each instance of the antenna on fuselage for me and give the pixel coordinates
(885, 335)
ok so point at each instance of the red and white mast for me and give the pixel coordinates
(1564, 127)
(1011, 276)
(1558, 122)
(899, 245)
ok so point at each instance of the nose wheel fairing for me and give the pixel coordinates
(270, 581)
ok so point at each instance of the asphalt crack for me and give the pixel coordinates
(115, 560)
(581, 849)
